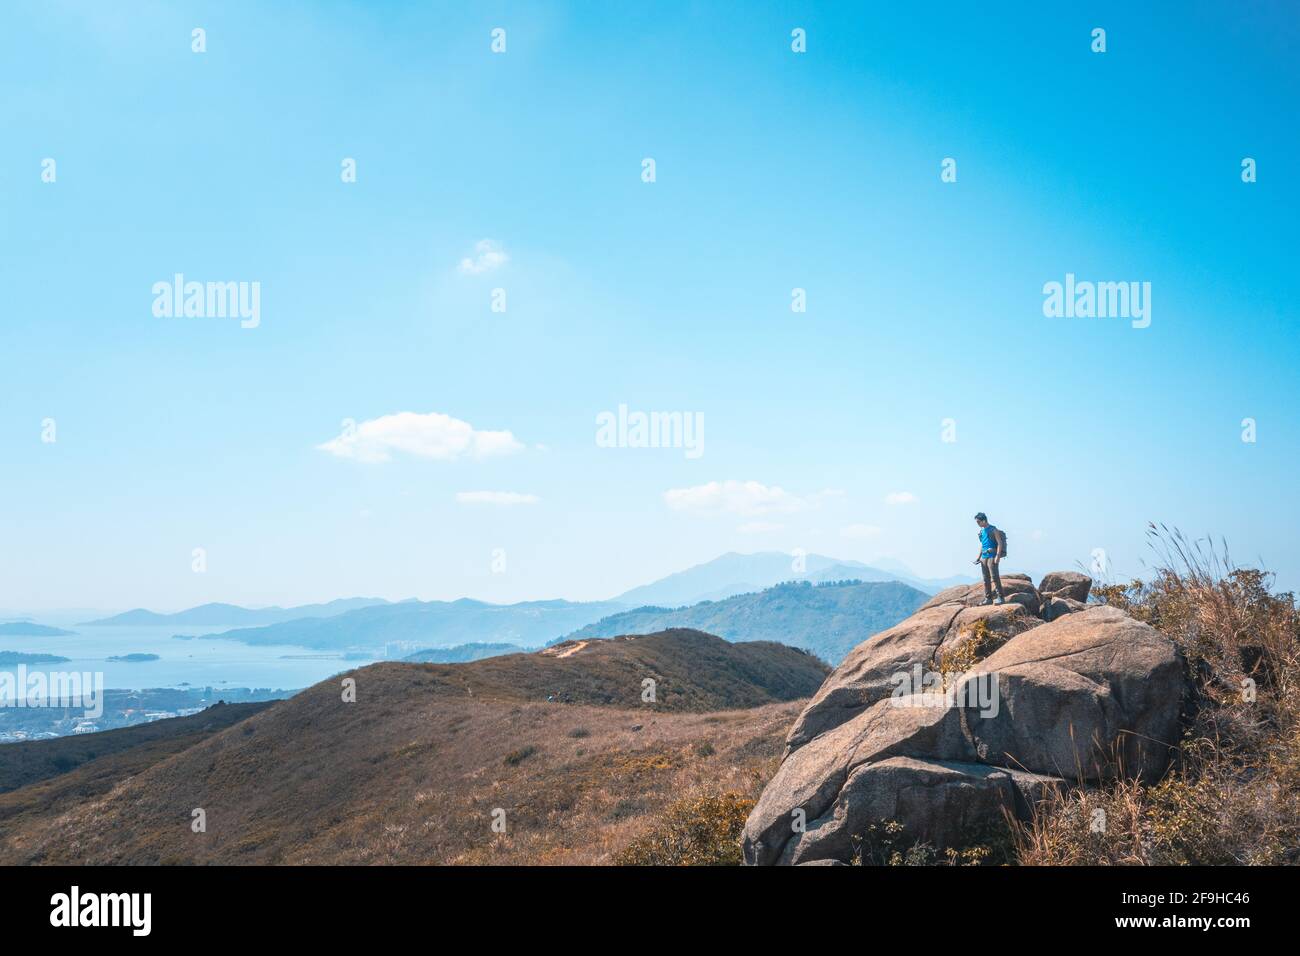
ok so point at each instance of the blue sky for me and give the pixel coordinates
(774, 170)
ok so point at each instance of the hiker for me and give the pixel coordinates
(993, 548)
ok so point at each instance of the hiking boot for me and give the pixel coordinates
(987, 600)
(1000, 600)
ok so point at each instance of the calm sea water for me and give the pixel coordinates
(196, 663)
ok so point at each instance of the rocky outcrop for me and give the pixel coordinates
(1059, 607)
(889, 737)
(1016, 588)
(1065, 584)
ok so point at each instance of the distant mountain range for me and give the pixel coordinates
(827, 624)
(733, 573)
(231, 615)
(828, 620)
(28, 629)
(432, 623)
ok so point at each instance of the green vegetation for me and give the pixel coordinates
(828, 619)
(14, 658)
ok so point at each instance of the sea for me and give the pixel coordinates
(180, 663)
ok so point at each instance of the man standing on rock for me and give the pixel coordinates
(993, 547)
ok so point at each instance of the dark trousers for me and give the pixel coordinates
(991, 577)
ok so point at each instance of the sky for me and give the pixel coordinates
(383, 428)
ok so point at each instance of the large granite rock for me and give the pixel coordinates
(1065, 584)
(1090, 694)
(1087, 695)
(1016, 588)
(1054, 607)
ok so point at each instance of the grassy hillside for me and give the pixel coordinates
(412, 771)
(31, 761)
(692, 671)
(828, 620)
(463, 653)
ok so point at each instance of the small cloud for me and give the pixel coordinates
(499, 498)
(488, 255)
(430, 435)
(758, 527)
(747, 498)
(859, 531)
(900, 498)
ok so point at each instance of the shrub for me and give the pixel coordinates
(886, 843)
(700, 830)
(1232, 794)
(516, 757)
(978, 644)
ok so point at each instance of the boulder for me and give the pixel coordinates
(1001, 623)
(877, 667)
(870, 672)
(811, 778)
(944, 803)
(1065, 584)
(1088, 695)
(1054, 607)
(1016, 588)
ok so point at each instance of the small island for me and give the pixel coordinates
(133, 658)
(13, 658)
(30, 629)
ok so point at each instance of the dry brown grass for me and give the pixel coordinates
(1232, 795)
(976, 642)
(703, 829)
(409, 774)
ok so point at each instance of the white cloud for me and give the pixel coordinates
(859, 531)
(900, 498)
(488, 255)
(501, 498)
(758, 527)
(745, 498)
(430, 435)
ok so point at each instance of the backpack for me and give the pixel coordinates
(1005, 546)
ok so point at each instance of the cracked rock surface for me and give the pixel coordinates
(1072, 692)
